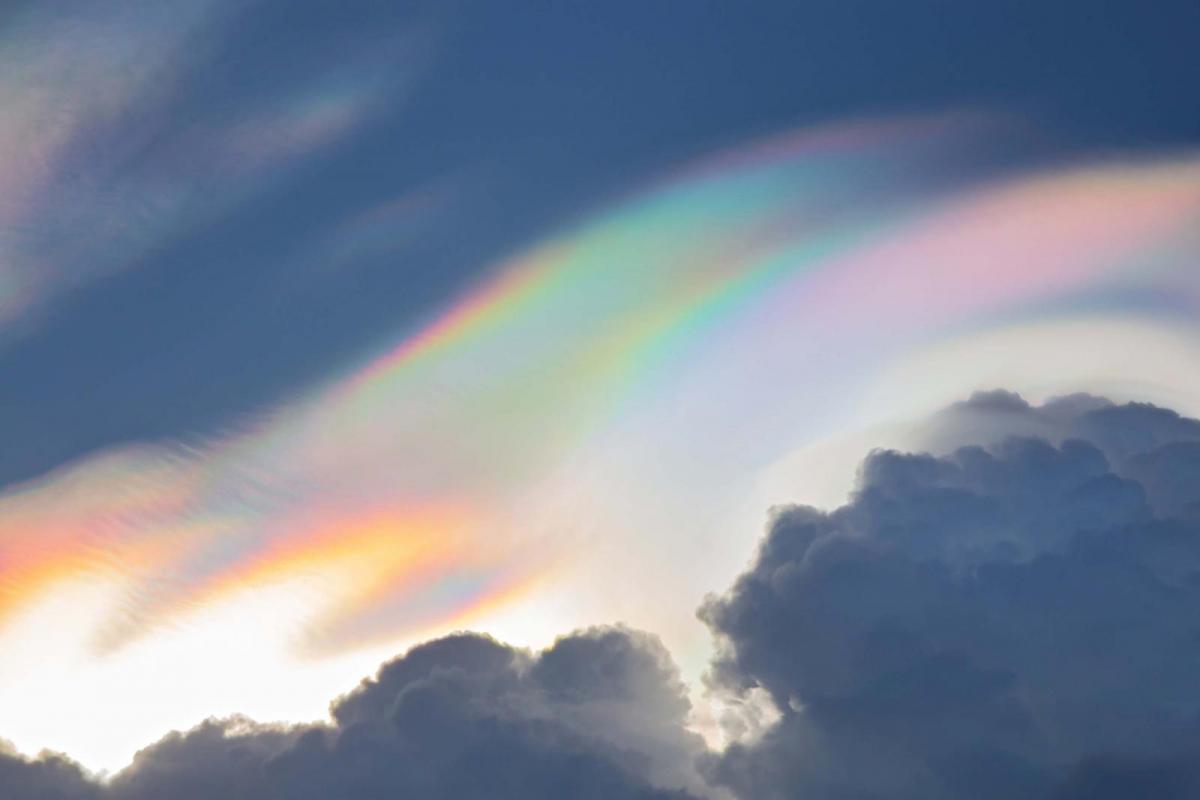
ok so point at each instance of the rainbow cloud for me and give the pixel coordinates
(683, 331)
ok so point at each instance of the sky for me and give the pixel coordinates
(329, 330)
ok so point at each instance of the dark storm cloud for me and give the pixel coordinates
(460, 717)
(598, 715)
(1015, 619)
(51, 777)
(1018, 617)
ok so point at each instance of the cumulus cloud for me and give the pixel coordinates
(598, 715)
(1014, 614)
(50, 777)
(1012, 618)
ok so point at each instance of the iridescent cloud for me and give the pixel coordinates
(544, 442)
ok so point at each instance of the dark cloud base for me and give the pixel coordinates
(1018, 616)
(598, 716)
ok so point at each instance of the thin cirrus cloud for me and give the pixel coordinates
(96, 170)
(502, 464)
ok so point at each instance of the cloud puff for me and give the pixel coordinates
(598, 715)
(51, 777)
(1015, 619)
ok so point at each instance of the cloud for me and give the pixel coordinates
(1011, 619)
(132, 127)
(1121, 430)
(545, 388)
(50, 777)
(1010, 615)
(600, 714)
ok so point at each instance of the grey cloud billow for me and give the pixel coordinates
(598, 716)
(1020, 619)
(51, 777)
(1014, 614)
(461, 717)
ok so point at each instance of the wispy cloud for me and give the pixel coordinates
(113, 144)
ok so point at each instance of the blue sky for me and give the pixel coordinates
(498, 126)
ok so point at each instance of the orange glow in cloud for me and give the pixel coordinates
(358, 553)
(422, 566)
(88, 523)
